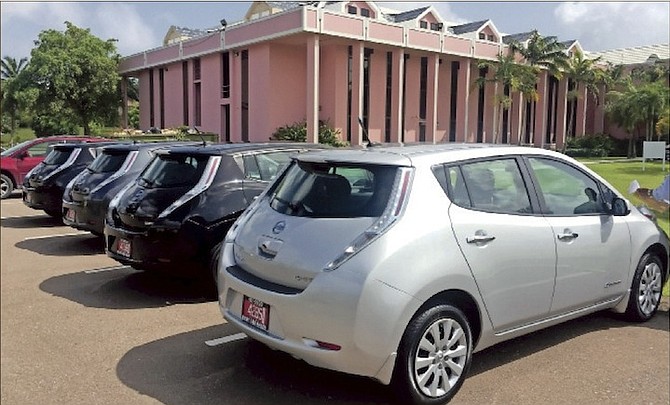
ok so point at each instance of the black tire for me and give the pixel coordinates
(6, 186)
(646, 289)
(447, 361)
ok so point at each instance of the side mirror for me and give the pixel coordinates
(619, 207)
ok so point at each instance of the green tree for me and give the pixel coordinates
(546, 53)
(623, 108)
(78, 72)
(584, 73)
(13, 83)
(508, 74)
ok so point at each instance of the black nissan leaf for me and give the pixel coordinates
(175, 214)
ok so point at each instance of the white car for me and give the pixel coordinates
(398, 263)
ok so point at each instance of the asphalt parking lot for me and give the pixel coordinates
(77, 328)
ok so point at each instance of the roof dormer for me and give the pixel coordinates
(481, 30)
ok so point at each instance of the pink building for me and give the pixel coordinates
(408, 75)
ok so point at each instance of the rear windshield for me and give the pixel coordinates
(173, 171)
(108, 162)
(332, 190)
(57, 157)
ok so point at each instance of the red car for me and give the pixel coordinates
(20, 159)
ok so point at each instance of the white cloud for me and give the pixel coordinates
(606, 24)
(123, 22)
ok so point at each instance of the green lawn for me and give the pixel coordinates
(621, 173)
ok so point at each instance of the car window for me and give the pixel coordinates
(324, 190)
(251, 169)
(173, 170)
(492, 185)
(269, 164)
(39, 149)
(566, 191)
(108, 162)
(57, 156)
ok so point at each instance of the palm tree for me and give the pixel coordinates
(507, 73)
(582, 72)
(11, 68)
(10, 73)
(546, 53)
(624, 109)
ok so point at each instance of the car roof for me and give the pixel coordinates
(128, 147)
(417, 154)
(84, 145)
(235, 148)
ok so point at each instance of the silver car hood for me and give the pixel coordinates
(289, 250)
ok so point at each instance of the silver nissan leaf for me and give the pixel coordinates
(399, 262)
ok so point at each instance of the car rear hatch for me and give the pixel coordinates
(169, 181)
(108, 166)
(59, 159)
(317, 216)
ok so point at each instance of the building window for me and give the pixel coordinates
(423, 96)
(404, 98)
(349, 90)
(491, 38)
(225, 73)
(184, 79)
(152, 122)
(161, 95)
(365, 12)
(482, 35)
(196, 69)
(435, 26)
(352, 10)
(454, 100)
(423, 24)
(198, 105)
(245, 95)
(367, 54)
(389, 88)
(480, 108)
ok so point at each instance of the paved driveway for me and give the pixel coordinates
(77, 328)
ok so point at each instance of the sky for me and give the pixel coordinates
(141, 25)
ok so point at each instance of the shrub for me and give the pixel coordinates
(598, 145)
(297, 132)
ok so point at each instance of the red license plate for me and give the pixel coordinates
(256, 313)
(123, 247)
(70, 215)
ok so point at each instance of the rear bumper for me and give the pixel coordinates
(86, 216)
(154, 249)
(43, 198)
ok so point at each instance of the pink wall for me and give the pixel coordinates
(143, 77)
(424, 39)
(443, 100)
(385, 33)
(252, 32)
(486, 50)
(174, 96)
(457, 45)
(286, 90)
(130, 63)
(412, 98)
(160, 55)
(203, 44)
(377, 95)
(343, 24)
(210, 68)
(333, 88)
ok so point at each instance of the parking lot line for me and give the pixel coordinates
(57, 235)
(103, 269)
(225, 339)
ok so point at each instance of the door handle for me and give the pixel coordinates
(567, 235)
(479, 239)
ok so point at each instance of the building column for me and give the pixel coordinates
(473, 104)
(599, 116)
(515, 118)
(539, 132)
(397, 93)
(431, 97)
(312, 104)
(124, 102)
(462, 100)
(357, 57)
(491, 111)
(561, 113)
(580, 129)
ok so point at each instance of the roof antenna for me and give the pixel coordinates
(197, 131)
(365, 134)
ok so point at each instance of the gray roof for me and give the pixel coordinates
(469, 27)
(520, 37)
(406, 15)
(634, 55)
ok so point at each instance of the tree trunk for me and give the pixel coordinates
(87, 129)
